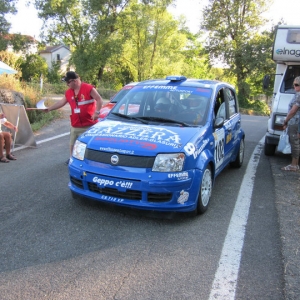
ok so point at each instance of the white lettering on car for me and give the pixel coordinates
(190, 148)
(179, 176)
(156, 134)
(105, 182)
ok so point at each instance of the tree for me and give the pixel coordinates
(19, 42)
(89, 27)
(152, 42)
(233, 38)
(53, 75)
(6, 7)
(86, 26)
(32, 67)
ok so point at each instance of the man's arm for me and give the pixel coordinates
(99, 102)
(57, 104)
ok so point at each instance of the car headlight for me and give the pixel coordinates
(169, 162)
(279, 120)
(79, 150)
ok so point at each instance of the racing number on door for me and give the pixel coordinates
(219, 147)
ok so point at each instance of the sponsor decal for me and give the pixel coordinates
(179, 176)
(219, 147)
(109, 149)
(292, 52)
(184, 196)
(112, 183)
(153, 134)
(228, 138)
(190, 148)
(112, 199)
(144, 145)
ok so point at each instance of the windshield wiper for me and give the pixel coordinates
(166, 121)
(130, 117)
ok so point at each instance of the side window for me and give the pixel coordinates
(220, 107)
(231, 100)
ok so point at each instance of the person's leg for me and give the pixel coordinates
(7, 138)
(2, 157)
(295, 148)
(75, 132)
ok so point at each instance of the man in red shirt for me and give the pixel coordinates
(85, 103)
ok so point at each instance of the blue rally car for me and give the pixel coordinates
(161, 147)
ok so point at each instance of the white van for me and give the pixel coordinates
(286, 54)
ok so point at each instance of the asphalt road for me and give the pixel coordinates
(53, 247)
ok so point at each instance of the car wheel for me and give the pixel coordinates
(240, 156)
(205, 191)
(269, 149)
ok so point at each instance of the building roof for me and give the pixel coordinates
(51, 49)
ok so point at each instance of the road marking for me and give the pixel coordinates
(43, 141)
(225, 281)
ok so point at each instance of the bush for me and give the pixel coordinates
(255, 107)
(36, 118)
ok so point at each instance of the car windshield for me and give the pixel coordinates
(165, 104)
(119, 95)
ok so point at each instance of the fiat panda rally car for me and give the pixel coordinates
(165, 154)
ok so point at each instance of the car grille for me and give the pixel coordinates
(124, 160)
(159, 197)
(77, 182)
(129, 194)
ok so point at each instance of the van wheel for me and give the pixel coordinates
(269, 149)
(205, 191)
(240, 156)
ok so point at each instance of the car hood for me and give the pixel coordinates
(139, 139)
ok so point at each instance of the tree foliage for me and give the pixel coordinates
(153, 44)
(90, 27)
(6, 7)
(33, 67)
(87, 27)
(233, 38)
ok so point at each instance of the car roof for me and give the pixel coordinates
(131, 84)
(179, 80)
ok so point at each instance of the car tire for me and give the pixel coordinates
(240, 156)
(269, 149)
(205, 191)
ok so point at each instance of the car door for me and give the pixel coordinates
(223, 135)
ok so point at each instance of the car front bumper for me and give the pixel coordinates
(135, 188)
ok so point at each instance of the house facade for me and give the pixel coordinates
(54, 54)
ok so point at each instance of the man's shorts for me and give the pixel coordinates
(75, 132)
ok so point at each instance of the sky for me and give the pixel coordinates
(26, 20)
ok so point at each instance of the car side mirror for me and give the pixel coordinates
(219, 122)
(266, 82)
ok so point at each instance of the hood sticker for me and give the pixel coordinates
(153, 134)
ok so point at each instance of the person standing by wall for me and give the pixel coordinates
(5, 140)
(85, 103)
(292, 123)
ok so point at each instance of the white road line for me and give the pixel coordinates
(224, 285)
(43, 141)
